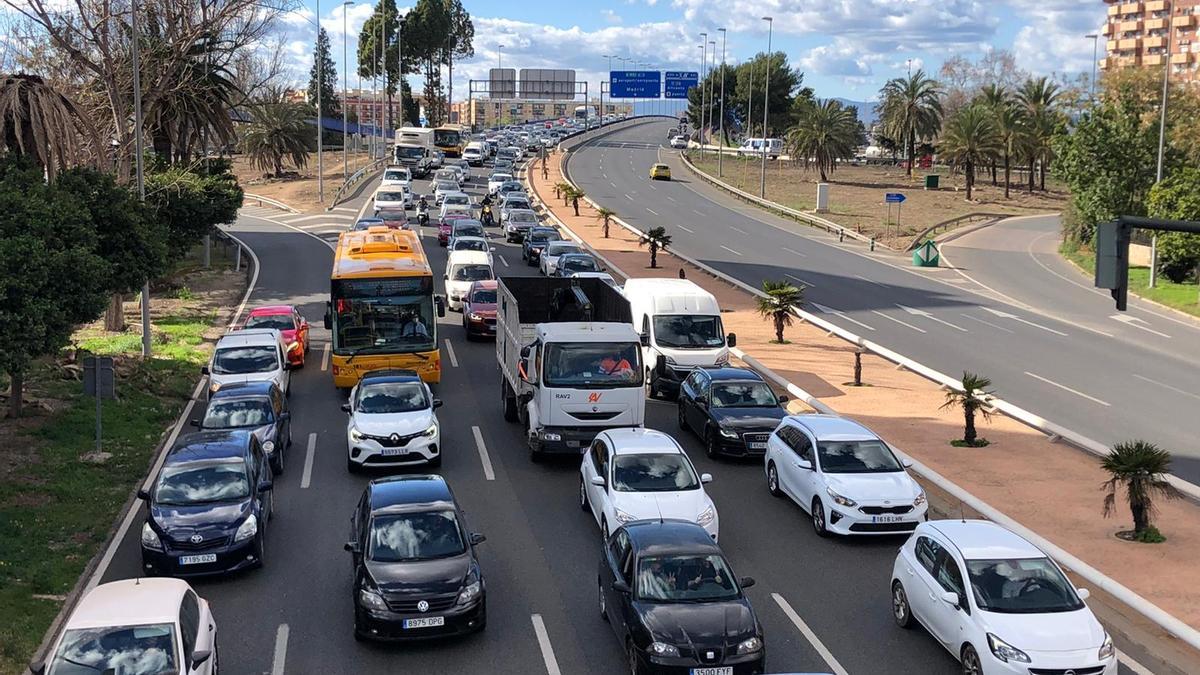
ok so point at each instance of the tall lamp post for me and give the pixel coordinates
(320, 122)
(1162, 131)
(712, 54)
(721, 136)
(1095, 44)
(400, 65)
(345, 87)
(138, 148)
(703, 76)
(762, 184)
(499, 66)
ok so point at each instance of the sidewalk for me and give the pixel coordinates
(1050, 488)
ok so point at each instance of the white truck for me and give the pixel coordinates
(570, 361)
(681, 328)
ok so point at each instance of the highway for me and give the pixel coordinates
(1048, 346)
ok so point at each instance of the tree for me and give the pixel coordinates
(1013, 133)
(996, 99)
(39, 121)
(435, 32)
(278, 132)
(972, 399)
(827, 133)
(605, 214)
(911, 111)
(750, 78)
(331, 105)
(188, 204)
(195, 112)
(656, 238)
(970, 139)
(777, 305)
(701, 101)
(1141, 468)
(1038, 97)
(576, 195)
(1177, 197)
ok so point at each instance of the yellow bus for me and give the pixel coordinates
(450, 139)
(382, 309)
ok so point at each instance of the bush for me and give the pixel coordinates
(1177, 198)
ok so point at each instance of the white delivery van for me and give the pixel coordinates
(754, 146)
(474, 153)
(464, 268)
(681, 328)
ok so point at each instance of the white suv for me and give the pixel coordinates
(392, 422)
(249, 355)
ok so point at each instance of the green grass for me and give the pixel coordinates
(1183, 297)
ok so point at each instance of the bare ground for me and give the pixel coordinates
(300, 189)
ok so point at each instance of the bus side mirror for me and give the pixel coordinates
(440, 303)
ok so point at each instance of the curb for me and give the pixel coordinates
(267, 201)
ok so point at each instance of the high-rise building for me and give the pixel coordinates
(1146, 34)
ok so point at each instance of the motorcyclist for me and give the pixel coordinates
(422, 211)
(486, 216)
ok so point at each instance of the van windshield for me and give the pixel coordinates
(244, 360)
(684, 331)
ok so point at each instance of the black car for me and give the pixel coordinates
(257, 407)
(415, 570)
(673, 601)
(209, 507)
(535, 241)
(732, 409)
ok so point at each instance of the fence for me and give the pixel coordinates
(953, 222)
(354, 179)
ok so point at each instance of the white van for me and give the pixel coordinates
(463, 268)
(683, 325)
(249, 355)
(754, 146)
(474, 153)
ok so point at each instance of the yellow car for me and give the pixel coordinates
(660, 171)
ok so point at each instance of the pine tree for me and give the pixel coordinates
(331, 105)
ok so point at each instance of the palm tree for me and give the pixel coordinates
(196, 111)
(655, 238)
(911, 110)
(994, 97)
(1012, 127)
(278, 131)
(1142, 468)
(827, 131)
(1038, 97)
(44, 124)
(972, 399)
(970, 138)
(606, 214)
(777, 305)
(576, 195)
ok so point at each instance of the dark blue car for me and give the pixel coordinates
(209, 507)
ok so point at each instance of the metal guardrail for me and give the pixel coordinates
(353, 180)
(267, 201)
(947, 224)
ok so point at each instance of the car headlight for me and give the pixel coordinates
(750, 645)
(663, 649)
(370, 599)
(1006, 652)
(729, 433)
(920, 499)
(214, 387)
(623, 517)
(431, 431)
(269, 446)
(723, 359)
(150, 538)
(706, 516)
(355, 434)
(248, 529)
(475, 317)
(1106, 650)
(839, 499)
(470, 592)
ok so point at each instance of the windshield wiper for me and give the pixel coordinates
(83, 665)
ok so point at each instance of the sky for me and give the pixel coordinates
(846, 48)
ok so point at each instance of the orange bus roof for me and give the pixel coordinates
(379, 252)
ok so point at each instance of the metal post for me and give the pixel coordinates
(345, 87)
(400, 66)
(376, 108)
(139, 151)
(703, 74)
(500, 67)
(320, 121)
(721, 135)
(1095, 43)
(713, 59)
(1162, 131)
(762, 185)
(749, 125)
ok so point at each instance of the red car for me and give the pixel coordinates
(287, 320)
(479, 310)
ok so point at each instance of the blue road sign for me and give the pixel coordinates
(677, 83)
(894, 197)
(635, 84)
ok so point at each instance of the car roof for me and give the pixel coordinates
(728, 373)
(467, 257)
(247, 337)
(833, 428)
(472, 238)
(562, 243)
(204, 445)
(637, 441)
(464, 222)
(668, 536)
(391, 375)
(661, 166)
(269, 310)
(414, 490)
(252, 388)
(130, 602)
(985, 540)
(484, 285)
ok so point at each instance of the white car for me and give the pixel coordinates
(463, 268)
(548, 261)
(442, 187)
(461, 168)
(1020, 615)
(517, 153)
(448, 173)
(391, 198)
(679, 142)
(392, 422)
(249, 355)
(146, 625)
(846, 477)
(473, 244)
(642, 474)
(473, 155)
(496, 180)
(396, 175)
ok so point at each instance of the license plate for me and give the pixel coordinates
(757, 446)
(719, 670)
(392, 452)
(572, 444)
(425, 622)
(197, 559)
(887, 519)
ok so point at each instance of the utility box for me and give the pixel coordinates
(926, 255)
(822, 197)
(932, 181)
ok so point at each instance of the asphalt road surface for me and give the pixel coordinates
(541, 555)
(1061, 353)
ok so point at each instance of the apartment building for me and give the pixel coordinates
(1149, 33)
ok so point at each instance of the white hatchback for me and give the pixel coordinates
(642, 474)
(548, 261)
(998, 603)
(392, 422)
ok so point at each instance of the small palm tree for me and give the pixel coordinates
(576, 195)
(972, 399)
(911, 110)
(656, 238)
(970, 139)
(44, 124)
(1142, 468)
(1013, 129)
(996, 98)
(278, 132)
(565, 192)
(826, 132)
(777, 305)
(1039, 97)
(605, 214)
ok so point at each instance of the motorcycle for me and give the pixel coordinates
(422, 213)
(486, 216)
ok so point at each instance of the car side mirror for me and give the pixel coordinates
(477, 538)
(621, 586)
(346, 407)
(746, 582)
(37, 667)
(950, 598)
(328, 321)
(906, 463)
(265, 486)
(143, 494)
(437, 403)
(644, 338)
(1083, 593)
(195, 423)
(783, 399)
(598, 481)
(204, 370)
(351, 546)
(706, 478)
(445, 277)
(199, 657)
(523, 369)
(731, 339)
(804, 464)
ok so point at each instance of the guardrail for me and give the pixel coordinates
(267, 201)
(354, 179)
(953, 222)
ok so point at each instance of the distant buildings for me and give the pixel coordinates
(1148, 33)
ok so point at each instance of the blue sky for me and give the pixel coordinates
(846, 48)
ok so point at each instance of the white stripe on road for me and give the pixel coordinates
(543, 638)
(986, 323)
(698, 213)
(319, 226)
(612, 183)
(730, 250)
(1066, 388)
(686, 229)
(670, 197)
(281, 638)
(738, 229)
(347, 209)
(450, 353)
(836, 312)
(806, 283)
(1137, 323)
(869, 281)
(793, 252)
(809, 635)
(317, 216)
(325, 356)
(902, 323)
(627, 196)
(1136, 667)
(927, 315)
(1165, 386)
(652, 211)
(502, 260)
(484, 458)
(309, 454)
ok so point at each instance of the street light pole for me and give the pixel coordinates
(721, 135)
(713, 58)
(320, 64)
(400, 65)
(345, 87)
(762, 185)
(703, 76)
(138, 148)
(1162, 131)
(1095, 43)
(500, 67)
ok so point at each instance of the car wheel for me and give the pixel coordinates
(261, 553)
(818, 518)
(901, 611)
(773, 480)
(535, 452)
(970, 661)
(277, 461)
(681, 417)
(712, 446)
(359, 636)
(508, 402)
(600, 595)
(583, 498)
(651, 390)
(634, 667)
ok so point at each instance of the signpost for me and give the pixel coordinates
(100, 381)
(635, 84)
(677, 82)
(890, 198)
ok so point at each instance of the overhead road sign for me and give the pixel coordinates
(677, 83)
(635, 84)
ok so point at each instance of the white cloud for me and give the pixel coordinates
(1053, 39)
(841, 57)
(610, 16)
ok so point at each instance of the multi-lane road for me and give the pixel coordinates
(1009, 310)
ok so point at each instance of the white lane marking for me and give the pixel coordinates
(902, 323)
(738, 229)
(698, 213)
(931, 317)
(450, 353)
(1166, 386)
(502, 260)
(837, 312)
(343, 208)
(627, 196)
(604, 175)
(1137, 323)
(319, 226)
(806, 283)
(869, 281)
(484, 458)
(1136, 667)
(794, 252)
(809, 635)
(730, 250)
(281, 638)
(309, 454)
(686, 229)
(652, 211)
(612, 183)
(670, 197)
(325, 356)
(317, 216)
(1014, 317)
(986, 323)
(1064, 387)
(543, 638)
(651, 186)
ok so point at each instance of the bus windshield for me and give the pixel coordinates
(446, 137)
(383, 315)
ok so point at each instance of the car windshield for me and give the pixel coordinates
(484, 297)
(396, 196)
(593, 365)
(470, 230)
(471, 273)
(401, 537)
(580, 264)
(465, 244)
(395, 175)
(202, 483)
(857, 457)
(1021, 586)
(522, 217)
(233, 413)
(685, 578)
(383, 398)
(500, 177)
(662, 472)
(409, 152)
(686, 331)
(147, 649)
(244, 360)
(458, 199)
(543, 237)
(559, 249)
(445, 186)
(742, 395)
(276, 321)
(516, 204)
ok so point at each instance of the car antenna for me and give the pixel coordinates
(961, 516)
